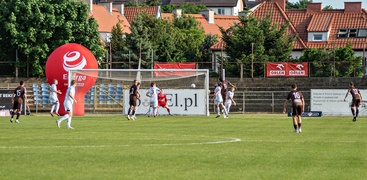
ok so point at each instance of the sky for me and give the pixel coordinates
(336, 4)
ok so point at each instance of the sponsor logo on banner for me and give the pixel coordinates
(309, 114)
(287, 69)
(276, 69)
(72, 56)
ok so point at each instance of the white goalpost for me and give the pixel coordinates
(187, 90)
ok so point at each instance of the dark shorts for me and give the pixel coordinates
(355, 103)
(132, 101)
(18, 104)
(297, 110)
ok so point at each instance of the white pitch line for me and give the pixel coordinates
(231, 140)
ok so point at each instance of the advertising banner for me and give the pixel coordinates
(276, 69)
(286, 69)
(174, 65)
(297, 69)
(5, 102)
(331, 102)
(71, 56)
(180, 101)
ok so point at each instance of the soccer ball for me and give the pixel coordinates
(193, 85)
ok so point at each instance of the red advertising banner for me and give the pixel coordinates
(276, 69)
(297, 69)
(174, 65)
(284, 69)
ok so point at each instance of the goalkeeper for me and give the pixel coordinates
(162, 101)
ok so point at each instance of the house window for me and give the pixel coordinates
(221, 11)
(317, 37)
(362, 33)
(342, 33)
(352, 32)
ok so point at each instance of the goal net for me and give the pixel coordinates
(187, 90)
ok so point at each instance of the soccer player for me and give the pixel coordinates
(356, 100)
(19, 97)
(134, 95)
(298, 107)
(68, 105)
(162, 101)
(224, 87)
(54, 99)
(218, 101)
(229, 99)
(153, 94)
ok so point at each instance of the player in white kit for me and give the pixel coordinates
(218, 101)
(54, 99)
(68, 105)
(229, 99)
(153, 94)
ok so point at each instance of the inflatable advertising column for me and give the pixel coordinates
(72, 56)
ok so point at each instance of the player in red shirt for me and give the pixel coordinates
(162, 101)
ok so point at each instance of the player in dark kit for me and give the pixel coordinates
(224, 87)
(19, 97)
(134, 95)
(356, 100)
(298, 107)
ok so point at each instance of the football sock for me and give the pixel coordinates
(69, 121)
(18, 114)
(12, 114)
(133, 113)
(352, 109)
(295, 126)
(128, 111)
(52, 108)
(357, 112)
(64, 117)
(57, 107)
(299, 125)
(225, 111)
(169, 110)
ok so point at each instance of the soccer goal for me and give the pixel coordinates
(187, 90)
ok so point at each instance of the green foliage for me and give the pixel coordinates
(35, 28)
(177, 41)
(187, 8)
(256, 40)
(139, 41)
(118, 47)
(208, 42)
(301, 4)
(328, 7)
(322, 62)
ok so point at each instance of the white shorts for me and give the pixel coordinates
(68, 106)
(153, 102)
(218, 100)
(54, 100)
(228, 103)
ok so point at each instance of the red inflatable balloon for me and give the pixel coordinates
(72, 56)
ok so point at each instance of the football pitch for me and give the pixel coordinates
(244, 146)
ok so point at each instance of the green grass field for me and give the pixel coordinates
(256, 146)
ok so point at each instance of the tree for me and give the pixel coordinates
(301, 4)
(208, 42)
(119, 50)
(139, 41)
(256, 40)
(338, 62)
(33, 29)
(191, 37)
